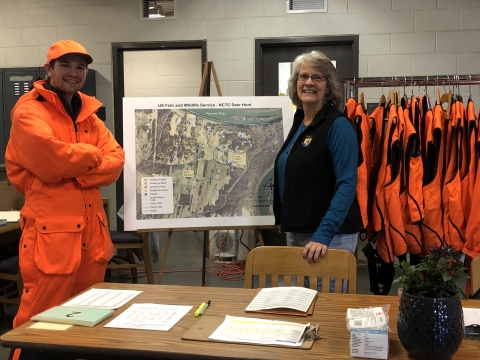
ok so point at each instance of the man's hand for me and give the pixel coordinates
(313, 251)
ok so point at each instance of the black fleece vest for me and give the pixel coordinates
(310, 179)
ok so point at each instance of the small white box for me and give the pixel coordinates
(371, 344)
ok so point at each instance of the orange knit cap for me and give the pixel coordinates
(64, 47)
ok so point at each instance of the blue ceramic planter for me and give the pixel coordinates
(430, 328)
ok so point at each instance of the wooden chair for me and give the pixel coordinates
(475, 274)
(11, 285)
(287, 261)
(129, 241)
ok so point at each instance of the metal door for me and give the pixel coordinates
(269, 53)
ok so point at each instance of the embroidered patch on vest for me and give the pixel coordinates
(307, 141)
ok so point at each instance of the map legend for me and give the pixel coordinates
(157, 195)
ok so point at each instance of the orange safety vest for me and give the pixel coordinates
(472, 233)
(379, 220)
(453, 218)
(469, 158)
(375, 220)
(411, 195)
(394, 225)
(432, 224)
(362, 129)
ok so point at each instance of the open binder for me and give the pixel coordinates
(284, 310)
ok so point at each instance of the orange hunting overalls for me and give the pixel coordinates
(59, 166)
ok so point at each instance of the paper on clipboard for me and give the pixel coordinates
(204, 327)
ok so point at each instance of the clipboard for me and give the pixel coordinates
(284, 311)
(205, 327)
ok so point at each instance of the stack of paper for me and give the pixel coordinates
(10, 216)
(289, 300)
(87, 309)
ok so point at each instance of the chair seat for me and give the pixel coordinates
(9, 265)
(122, 237)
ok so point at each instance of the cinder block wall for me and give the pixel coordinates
(397, 37)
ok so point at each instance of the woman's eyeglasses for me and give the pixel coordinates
(315, 78)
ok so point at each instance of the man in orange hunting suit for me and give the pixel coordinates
(59, 154)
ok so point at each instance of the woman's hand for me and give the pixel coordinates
(314, 250)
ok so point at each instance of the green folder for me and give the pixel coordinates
(75, 315)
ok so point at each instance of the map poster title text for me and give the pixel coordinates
(206, 104)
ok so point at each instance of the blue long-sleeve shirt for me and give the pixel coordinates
(343, 149)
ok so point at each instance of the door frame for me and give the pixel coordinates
(263, 43)
(119, 87)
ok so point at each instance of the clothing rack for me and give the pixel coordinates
(351, 84)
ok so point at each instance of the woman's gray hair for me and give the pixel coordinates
(322, 63)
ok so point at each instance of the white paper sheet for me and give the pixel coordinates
(103, 298)
(471, 316)
(291, 297)
(260, 331)
(149, 317)
(10, 216)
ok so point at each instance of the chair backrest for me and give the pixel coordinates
(287, 261)
(475, 274)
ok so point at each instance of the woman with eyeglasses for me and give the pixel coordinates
(316, 168)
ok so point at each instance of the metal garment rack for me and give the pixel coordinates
(351, 84)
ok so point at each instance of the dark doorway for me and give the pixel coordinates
(269, 53)
(118, 50)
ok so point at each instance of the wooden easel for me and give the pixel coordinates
(208, 70)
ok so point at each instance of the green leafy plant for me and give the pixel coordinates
(436, 274)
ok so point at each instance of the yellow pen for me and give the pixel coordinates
(201, 309)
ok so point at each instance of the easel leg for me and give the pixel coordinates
(164, 258)
(260, 237)
(204, 261)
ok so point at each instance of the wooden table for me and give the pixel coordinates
(109, 343)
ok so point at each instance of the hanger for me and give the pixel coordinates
(390, 98)
(361, 99)
(427, 98)
(437, 94)
(469, 88)
(447, 98)
(404, 101)
(382, 99)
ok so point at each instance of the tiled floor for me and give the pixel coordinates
(183, 267)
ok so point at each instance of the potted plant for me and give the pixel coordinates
(430, 316)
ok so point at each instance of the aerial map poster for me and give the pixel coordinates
(201, 162)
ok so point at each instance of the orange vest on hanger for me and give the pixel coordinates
(472, 233)
(469, 158)
(453, 218)
(362, 126)
(411, 195)
(394, 225)
(432, 224)
(379, 221)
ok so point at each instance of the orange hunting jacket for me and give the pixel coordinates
(59, 169)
